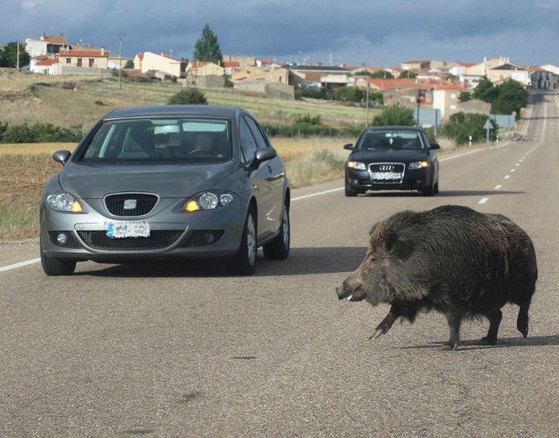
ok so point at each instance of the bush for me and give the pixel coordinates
(394, 115)
(39, 133)
(188, 96)
(461, 126)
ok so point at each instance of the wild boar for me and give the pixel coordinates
(452, 259)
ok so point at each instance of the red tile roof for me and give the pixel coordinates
(54, 39)
(47, 61)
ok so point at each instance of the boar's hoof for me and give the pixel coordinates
(376, 334)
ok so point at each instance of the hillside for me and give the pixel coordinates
(75, 101)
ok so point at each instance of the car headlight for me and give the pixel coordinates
(207, 201)
(64, 202)
(357, 165)
(418, 165)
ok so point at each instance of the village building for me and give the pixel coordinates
(153, 62)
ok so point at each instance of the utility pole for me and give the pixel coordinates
(120, 35)
(368, 90)
(17, 56)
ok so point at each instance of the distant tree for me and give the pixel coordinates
(382, 74)
(8, 56)
(207, 48)
(394, 115)
(407, 74)
(188, 96)
(464, 96)
(485, 90)
(129, 64)
(511, 96)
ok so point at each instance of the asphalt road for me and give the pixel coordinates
(167, 350)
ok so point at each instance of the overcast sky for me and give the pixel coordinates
(353, 32)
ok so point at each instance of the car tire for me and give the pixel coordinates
(244, 261)
(349, 192)
(278, 248)
(55, 267)
(430, 190)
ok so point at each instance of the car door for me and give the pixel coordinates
(264, 178)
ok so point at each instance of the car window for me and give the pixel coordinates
(248, 143)
(259, 137)
(174, 139)
(391, 140)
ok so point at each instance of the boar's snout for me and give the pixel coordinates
(352, 291)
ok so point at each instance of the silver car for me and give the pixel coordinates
(184, 181)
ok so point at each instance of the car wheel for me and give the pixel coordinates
(429, 190)
(244, 261)
(349, 192)
(53, 266)
(278, 249)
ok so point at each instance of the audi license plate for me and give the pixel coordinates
(123, 229)
(386, 176)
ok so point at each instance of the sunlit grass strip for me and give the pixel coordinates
(17, 222)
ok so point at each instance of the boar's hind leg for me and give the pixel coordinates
(494, 321)
(522, 321)
(386, 323)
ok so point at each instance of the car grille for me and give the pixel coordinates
(387, 173)
(158, 239)
(130, 204)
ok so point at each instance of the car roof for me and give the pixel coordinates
(394, 128)
(175, 111)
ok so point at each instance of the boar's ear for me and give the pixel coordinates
(394, 245)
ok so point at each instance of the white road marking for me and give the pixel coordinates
(483, 200)
(19, 265)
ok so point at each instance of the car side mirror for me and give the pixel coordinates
(264, 154)
(435, 146)
(348, 146)
(62, 156)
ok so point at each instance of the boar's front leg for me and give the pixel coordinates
(454, 319)
(386, 323)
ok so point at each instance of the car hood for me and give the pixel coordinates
(167, 180)
(368, 155)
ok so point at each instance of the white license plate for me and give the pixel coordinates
(386, 176)
(122, 229)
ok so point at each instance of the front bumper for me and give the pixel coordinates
(361, 180)
(203, 234)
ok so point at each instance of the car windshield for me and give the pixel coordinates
(168, 140)
(391, 140)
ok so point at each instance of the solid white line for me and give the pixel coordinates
(312, 195)
(19, 265)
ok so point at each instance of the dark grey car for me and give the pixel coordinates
(392, 158)
(167, 182)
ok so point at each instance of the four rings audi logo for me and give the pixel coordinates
(386, 168)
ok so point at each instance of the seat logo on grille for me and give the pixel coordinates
(386, 168)
(130, 204)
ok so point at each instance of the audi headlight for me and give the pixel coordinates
(357, 165)
(418, 165)
(64, 202)
(207, 201)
